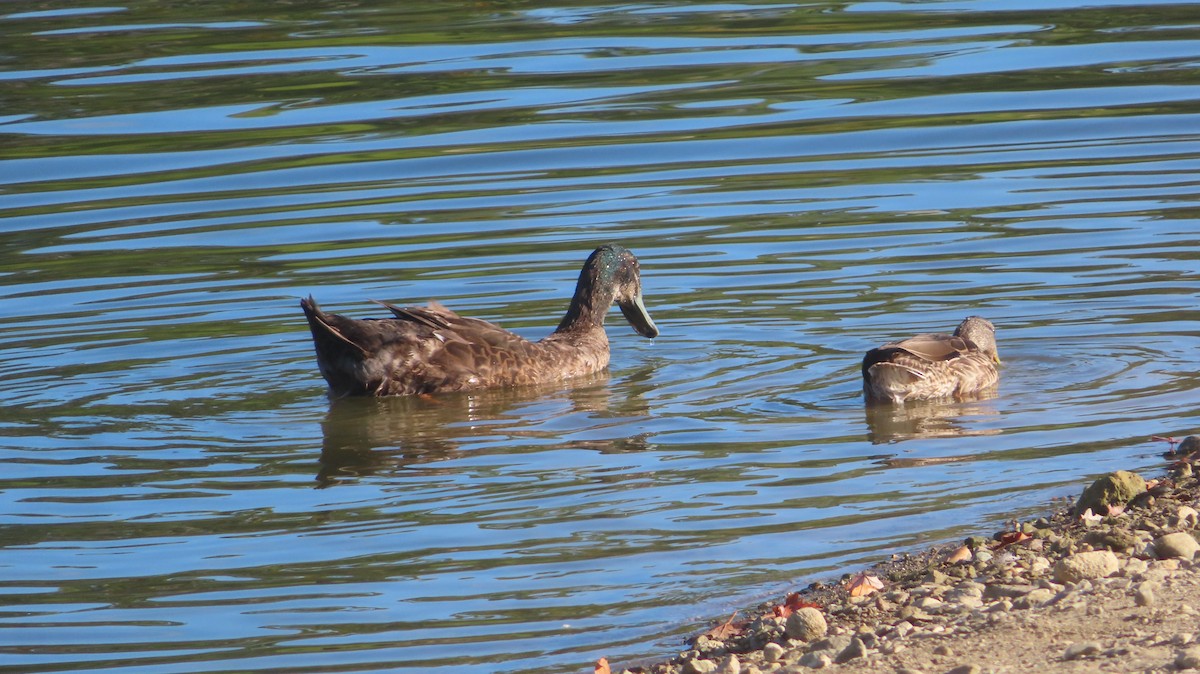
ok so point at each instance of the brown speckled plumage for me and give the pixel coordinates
(434, 350)
(934, 365)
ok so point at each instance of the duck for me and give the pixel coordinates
(431, 349)
(935, 365)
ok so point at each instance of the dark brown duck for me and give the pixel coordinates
(432, 349)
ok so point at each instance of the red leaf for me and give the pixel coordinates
(792, 603)
(1010, 537)
(602, 667)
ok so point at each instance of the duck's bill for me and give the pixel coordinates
(635, 312)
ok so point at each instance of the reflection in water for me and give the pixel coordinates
(801, 177)
(929, 418)
(364, 434)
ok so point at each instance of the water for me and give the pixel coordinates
(801, 181)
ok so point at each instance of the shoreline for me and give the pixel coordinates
(1110, 583)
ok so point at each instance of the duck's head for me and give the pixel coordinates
(980, 332)
(612, 267)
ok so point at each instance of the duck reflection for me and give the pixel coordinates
(888, 423)
(362, 435)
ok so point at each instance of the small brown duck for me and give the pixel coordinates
(423, 350)
(934, 365)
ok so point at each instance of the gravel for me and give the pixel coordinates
(1069, 592)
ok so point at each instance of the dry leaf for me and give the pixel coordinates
(602, 667)
(1010, 537)
(1116, 509)
(963, 554)
(791, 603)
(863, 585)
(727, 629)
(1089, 516)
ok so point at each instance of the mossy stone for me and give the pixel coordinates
(1113, 489)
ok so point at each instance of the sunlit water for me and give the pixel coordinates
(801, 181)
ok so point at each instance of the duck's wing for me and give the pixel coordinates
(915, 353)
(934, 347)
(458, 352)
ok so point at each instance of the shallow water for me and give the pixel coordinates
(801, 181)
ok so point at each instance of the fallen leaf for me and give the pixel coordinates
(791, 603)
(1010, 537)
(602, 667)
(1089, 516)
(727, 629)
(963, 554)
(864, 584)
(1116, 509)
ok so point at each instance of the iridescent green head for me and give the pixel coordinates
(612, 268)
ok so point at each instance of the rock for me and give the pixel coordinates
(1113, 489)
(706, 644)
(1187, 516)
(834, 643)
(942, 649)
(1006, 591)
(1112, 539)
(806, 624)
(928, 604)
(1143, 595)
(730, 665)
(1134, 566)
(1182, 639)
(1085, 565)
(1034, 598)
(772, 652)
(936, 577)
(1189, 445)
(816, 660)
(855, 650)
(1179, 545)
(1188, 658)
(1081, 649)
(965, 669)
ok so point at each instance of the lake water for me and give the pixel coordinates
(801, 181)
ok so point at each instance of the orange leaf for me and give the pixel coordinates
(863, 585)
(1010, 537)
(1116, 509)
(602, 666)
(792, 603)
(963, 554)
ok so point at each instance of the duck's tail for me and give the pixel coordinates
(889, 381)
(343, 351)
(328, 330)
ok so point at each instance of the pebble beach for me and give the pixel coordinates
(1108, 583)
